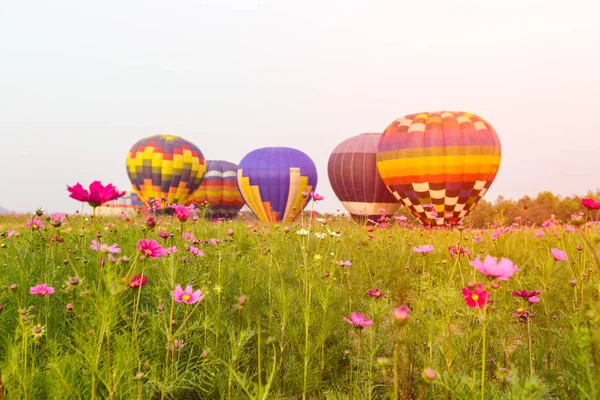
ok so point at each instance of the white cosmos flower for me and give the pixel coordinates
(320, 235)
(302, 231)
(334, 233)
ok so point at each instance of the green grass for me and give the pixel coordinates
(289, 339)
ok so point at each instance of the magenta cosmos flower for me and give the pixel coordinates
(590, 204)
(137, 281)
(502, 270)
(182, 212)
(477, 297)
(358, 320)
(427, 248)
(343, 263)
(42, 290)
(187, 296)
(97, 195)
(376, 293)
(531, 297)
(316, 196)
(150, 248)
(558, 255)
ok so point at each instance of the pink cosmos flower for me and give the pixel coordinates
(540, 234)
(531, 297)
(150, 248)
(10, 233)
(195, 251)
(164, 235)
(316, 196)
(182, 212)
(477, 297)
(35, 224)
(230, 232)
(104, 248)
(558, 255)
(358, 320)
(137, 281)
(170, 250)
(502, 270)
(376, 293)
(427, 248)
(97, 195)
(42, 290)
(457, 250)
(590, 204)
(476, 238)
(187, 296)
(56, 219)
(343, 263)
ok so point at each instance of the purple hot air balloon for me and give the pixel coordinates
(272, 181)
(355, 180)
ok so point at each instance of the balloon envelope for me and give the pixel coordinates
(272, 181)
(439, 164)
(165, 167)
(355, 180)
(219, 190)
(126, 205)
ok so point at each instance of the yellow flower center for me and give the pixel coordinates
(520, 310)
(42, 292)
(475, 297)
(186, 297)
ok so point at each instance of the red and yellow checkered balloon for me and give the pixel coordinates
(439, 164)
(165, 167)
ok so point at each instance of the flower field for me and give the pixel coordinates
(179, 307)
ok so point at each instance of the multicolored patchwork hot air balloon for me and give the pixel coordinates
(439, 164)
(272, 181)
(356, 181)
(126, 205)
(219, 190)
(165, 167)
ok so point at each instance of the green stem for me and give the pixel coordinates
(483, 351)
(529, 344)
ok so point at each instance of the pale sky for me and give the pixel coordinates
(81, 81)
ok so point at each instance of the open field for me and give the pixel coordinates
(270, 320)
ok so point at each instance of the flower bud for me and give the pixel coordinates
(429, 374)
(401, 314)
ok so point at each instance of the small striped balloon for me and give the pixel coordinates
(272, 181)
(126, 205)
(219, 191)
(165, 167)
(439, 164)
(355, 180)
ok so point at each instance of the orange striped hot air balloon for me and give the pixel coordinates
(219, 190)
(439, 164)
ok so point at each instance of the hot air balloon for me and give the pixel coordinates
(165, 168)
(127, 205)
(439, 164)
(272, 181)
(219, 190)
(356, 181)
